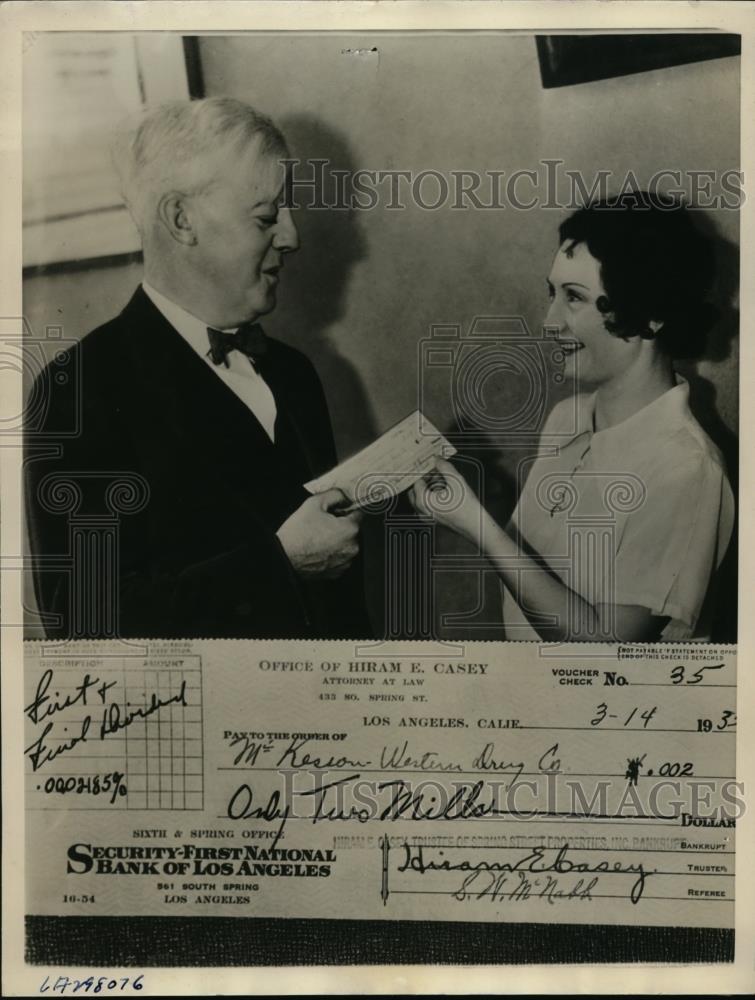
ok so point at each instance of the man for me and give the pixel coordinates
(216, 424)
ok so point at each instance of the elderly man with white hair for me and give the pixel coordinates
(221, 423)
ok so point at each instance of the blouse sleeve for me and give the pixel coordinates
(673, 543)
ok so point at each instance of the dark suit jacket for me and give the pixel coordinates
(201, 558)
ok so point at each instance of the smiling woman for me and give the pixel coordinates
(627, 513)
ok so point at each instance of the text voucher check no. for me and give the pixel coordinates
(518, 782)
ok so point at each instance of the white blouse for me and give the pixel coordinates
(640, 513)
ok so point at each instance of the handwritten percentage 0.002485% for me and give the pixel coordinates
(86, 784)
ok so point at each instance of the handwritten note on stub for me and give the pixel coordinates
(389, 465)
(112, 732)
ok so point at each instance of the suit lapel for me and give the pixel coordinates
(204, 412)
(192, 429)
(291, 408)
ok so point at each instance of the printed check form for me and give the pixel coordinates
(583, 786)
(388, 466)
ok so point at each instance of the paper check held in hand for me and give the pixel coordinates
(389, 465)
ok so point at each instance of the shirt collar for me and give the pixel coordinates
(662, 416)
(192, 329)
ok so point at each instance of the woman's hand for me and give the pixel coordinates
(447, 497)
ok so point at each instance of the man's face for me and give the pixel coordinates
(242, 234)
(574, 287)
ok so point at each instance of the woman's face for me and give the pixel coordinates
(590, 351)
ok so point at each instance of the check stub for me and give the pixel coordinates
(516, 782)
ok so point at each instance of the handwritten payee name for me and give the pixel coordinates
(299, 754)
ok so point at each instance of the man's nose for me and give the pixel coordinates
(286, 238)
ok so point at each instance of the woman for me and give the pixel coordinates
(620, 528)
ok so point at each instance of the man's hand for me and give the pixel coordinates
(316, 541)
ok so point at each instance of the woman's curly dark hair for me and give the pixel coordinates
(655, 264)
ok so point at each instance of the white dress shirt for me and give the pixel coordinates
(640, 513)
(240, 376)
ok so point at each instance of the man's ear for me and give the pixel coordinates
(655, 325)
(171, 211)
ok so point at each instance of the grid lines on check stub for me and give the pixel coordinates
(163, 750)
(116, 732)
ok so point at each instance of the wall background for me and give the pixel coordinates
(366, 287)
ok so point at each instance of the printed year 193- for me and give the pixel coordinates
(92, 984)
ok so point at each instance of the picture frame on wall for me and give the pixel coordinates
(566, 60)
(73, 211)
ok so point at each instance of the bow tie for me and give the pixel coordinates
(249, 339)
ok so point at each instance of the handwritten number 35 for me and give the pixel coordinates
(678, 673)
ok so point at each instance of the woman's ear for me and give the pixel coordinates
(171, 211)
